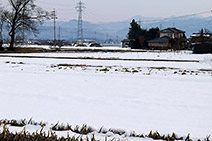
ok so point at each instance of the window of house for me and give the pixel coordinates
(169, 35)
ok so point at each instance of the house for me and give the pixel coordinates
(169, 38)
(197, 38)
(127, 43)
(172, 33)
(202, 48)
(160, 43)
(201, 43)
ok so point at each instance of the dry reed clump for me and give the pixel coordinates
(82, 133)
(6, 135)
(21, 123)
(156, 136)
(84, 130)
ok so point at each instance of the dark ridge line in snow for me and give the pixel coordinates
(92, 58)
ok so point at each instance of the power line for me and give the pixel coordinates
(52, 3)
(184, 16)
(169, 18)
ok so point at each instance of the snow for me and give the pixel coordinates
(161, 100)
(74, 47)
(182, 55)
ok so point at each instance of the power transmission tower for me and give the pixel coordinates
(80, 7)
(54, 18)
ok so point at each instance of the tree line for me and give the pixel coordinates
(23, 15)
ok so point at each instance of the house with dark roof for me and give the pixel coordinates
(126, 43)
(160, 43)
(202, 48)
(172, 33)
(197, 38)
(170, 38)
(201, 43)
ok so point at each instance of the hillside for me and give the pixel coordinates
(119, 29)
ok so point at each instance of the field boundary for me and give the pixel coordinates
(93, 58)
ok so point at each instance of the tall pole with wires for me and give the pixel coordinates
(59, 38)
(95, 36)
(80, 7)
(54, 18)
(139, 21)
(23, 32)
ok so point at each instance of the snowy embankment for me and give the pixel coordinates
(130, 95)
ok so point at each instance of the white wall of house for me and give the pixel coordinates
(172, 35)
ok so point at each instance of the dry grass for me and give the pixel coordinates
(82, 133)
(26, 50)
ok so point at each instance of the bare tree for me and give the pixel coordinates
(24, 14)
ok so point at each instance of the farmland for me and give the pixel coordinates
(132, 91)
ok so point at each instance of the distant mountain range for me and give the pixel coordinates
(119, 30)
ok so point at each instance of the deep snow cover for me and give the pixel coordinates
(131, 95)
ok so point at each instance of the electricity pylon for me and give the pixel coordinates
(80, 7)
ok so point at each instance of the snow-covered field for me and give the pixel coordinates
(131, 95)
(183, 55)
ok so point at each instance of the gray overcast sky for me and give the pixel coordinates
(117, 10)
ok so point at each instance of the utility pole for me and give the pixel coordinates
(80, 7)
(117, 38)
(95, 36)
(161, 26)
(23, 36)
(139, 22)
(173, 24)
(54, 18)
(59, 38)
(1, 39)
(1, 29)
(29, 37)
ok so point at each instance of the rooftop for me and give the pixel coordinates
(164, 39)
(171, 30)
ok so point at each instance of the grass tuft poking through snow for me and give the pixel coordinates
(84, 133)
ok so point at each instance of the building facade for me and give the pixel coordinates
(169, 38)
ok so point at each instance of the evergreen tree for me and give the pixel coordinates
(153, 33)
(141, 36)
(202, 35)
(134, 31)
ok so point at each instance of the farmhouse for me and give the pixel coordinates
(126, 43)
(170, 38)
(197, 38)
(202, 48)
(160, 43)
(201, 43)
